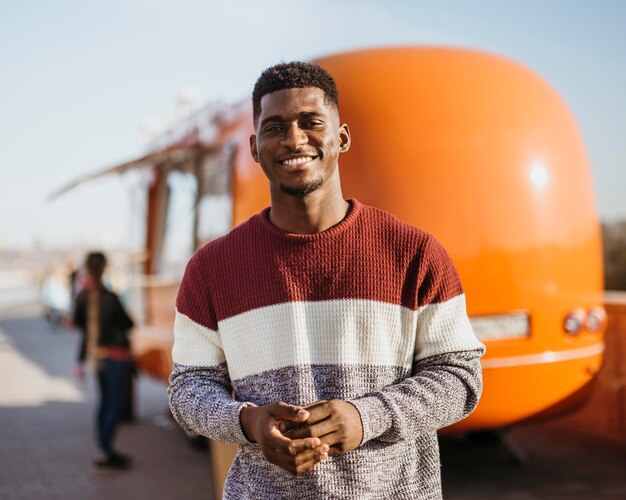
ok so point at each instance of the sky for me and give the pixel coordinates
(79, 79)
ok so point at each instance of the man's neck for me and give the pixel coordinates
(313, 213)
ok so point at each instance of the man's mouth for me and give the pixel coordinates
(298, 160)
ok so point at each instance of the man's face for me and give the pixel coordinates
(298, 140)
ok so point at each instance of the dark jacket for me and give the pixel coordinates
(115, 323)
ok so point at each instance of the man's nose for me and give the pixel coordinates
(294, 137)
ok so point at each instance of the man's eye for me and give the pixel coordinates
(313, 124)
(273, 128)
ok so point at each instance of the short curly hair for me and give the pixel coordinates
(293, 75)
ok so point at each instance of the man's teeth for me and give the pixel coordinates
(297, 161)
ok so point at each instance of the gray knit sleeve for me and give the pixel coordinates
(442, 390)
(201, 402)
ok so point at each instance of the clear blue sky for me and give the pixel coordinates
(78, 79)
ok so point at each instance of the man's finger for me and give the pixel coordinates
(299, 445)
(304, 467)
(284, 411)
(284, 461)
(276, 440)
(301, 463)
(316, 412)
(331, 439)
(318, 429)
(334, 442)
(317, 403)
(316, 455)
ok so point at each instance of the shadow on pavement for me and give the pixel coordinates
(558, 463)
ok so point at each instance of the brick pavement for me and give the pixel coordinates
(46, 434)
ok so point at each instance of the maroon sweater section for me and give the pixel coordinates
(369, 255)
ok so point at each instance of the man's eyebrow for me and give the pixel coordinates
(273, 118)
(304, 114)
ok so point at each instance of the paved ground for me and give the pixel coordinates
(46, 441)
(560, 463)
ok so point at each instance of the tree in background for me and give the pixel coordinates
(614, 250)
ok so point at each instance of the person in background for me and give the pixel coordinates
(105, 325)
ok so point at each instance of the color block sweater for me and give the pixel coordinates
(370, 311)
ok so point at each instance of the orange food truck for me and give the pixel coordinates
(472, 147)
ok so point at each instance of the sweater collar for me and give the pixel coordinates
(340, 227)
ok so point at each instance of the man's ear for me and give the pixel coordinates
(344, 137)
(253, 151)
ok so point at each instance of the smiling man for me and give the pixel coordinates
(341, 331)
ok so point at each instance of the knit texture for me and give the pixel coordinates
(370, 311)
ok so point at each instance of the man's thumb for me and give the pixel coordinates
(290, 412)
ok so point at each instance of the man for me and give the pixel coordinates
(341, 330)
(105, 325)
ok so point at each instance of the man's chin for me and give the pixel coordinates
(301, 190)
